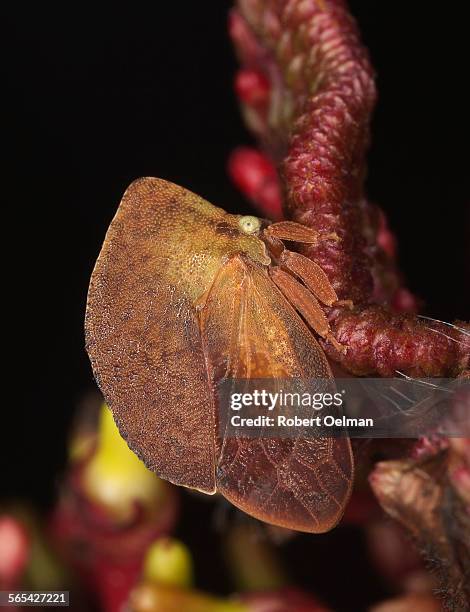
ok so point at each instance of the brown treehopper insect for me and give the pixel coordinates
(185, 295)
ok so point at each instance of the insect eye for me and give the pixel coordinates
(249, 224)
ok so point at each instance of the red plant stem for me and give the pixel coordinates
(380, 342)
(316, 128)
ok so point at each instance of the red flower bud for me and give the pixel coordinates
(256, 177)
(252, 87)
(404, 301)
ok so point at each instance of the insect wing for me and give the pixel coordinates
(250, 331)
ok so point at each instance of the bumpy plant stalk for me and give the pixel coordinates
(313, 121)
(307, 92)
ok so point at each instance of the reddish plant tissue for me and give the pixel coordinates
(314, 129)
(286, 600)
(255, 175)
(305, 56)
(14, 551)
(106, 555)
(252, 87)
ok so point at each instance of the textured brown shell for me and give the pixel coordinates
(179, 299)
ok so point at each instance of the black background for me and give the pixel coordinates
(98, 99)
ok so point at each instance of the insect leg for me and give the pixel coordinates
(311, 274)
(306, 304)
(289, 230)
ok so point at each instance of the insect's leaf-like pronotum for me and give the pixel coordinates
(143, 337)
